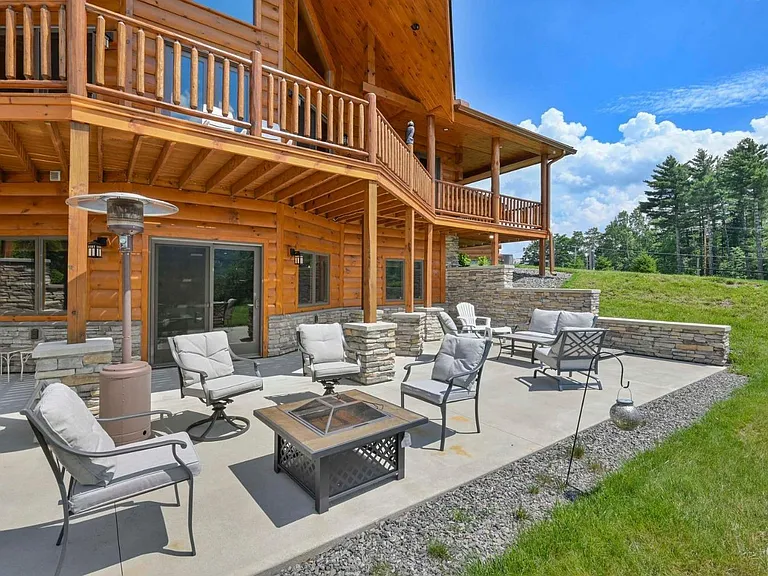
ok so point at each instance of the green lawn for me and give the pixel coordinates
(697, 504)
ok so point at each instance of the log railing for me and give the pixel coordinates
(468, 203)
(393, 152)
(423, 185)
(39, 61)
(313, 114)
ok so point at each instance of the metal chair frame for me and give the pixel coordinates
(308, 361)
(578, 344)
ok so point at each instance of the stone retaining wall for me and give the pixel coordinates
(700, 343)
(18, 335)
(375, 343)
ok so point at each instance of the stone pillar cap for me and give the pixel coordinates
(370, 326)
(429, 309)
(406, 315)
(62, 348)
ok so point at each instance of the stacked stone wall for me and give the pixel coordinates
(375, 344)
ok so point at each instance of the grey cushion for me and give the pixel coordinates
(457, 356)
(208, 352)
(225, 387)
(64, 416)
(139, 472)
(544, 321)
(325, 342)
(447, 323)
(549, 357)
(575, 320)
(534, 337)
(433, 391)
(331, 369)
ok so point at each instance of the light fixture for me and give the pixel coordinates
(94, 250)
(445, 129)
(490, 236)
(298, 257)
(415, 26)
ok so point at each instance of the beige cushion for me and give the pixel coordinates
(332, 369)
(64, 416)
(323, 341)
(575, 320)
(208, 352)
(225, 387)
(544, 321)
(457, 356)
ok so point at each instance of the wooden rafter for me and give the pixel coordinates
(161, 161)
(314, 180)
(285, 179)
(189, 171)
(342, 193)
(229, 166)
(18, 147)
(256, 176)
(100, 152)
(58, 144)
(353, 207)
(138, 140)
(317, 191)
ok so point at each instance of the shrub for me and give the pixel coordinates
(483, 261)
(644, 263)
(438, 550)
(464, 259)
(603, 263)
(578, 263)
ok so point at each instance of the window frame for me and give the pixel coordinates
(313, 281)
(416, 297)
(39, 298)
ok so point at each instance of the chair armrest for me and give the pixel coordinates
(482, 321)
(162, 413)
(464, 322)
(409, 367)
(348, 350)
(304, 352)
(237, 358)
(129, 449)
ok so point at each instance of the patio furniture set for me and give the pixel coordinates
(332, 446)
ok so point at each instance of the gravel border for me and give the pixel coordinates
(482, 518)
(529, 278)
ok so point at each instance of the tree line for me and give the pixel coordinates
(702, 217)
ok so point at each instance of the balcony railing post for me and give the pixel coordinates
(373, 128)
(77, 54)
(255, 93)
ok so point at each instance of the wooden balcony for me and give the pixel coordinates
(149, 69)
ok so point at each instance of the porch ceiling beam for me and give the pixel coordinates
(285, 179)
(229, 166)
(189, 171)
(318, 191)
(138, 140)
(18, 147)
(58, 144)
(353, 200)
(403, 101)
(470, 177)
(161, 161)
(294, 189)
(343, 193)
(259, 174)
(357, 206)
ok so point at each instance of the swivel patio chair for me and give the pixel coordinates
(206, 372)
(325, 354)
(455, 376)
(574, 350)
(100, 474)
(468, 321)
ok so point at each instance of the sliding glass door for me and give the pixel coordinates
(200, 287)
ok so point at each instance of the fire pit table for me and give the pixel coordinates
(334, 446)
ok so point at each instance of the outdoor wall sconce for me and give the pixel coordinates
(298, 257)
(95, 247)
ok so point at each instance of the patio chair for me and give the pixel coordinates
(574, 350)
(206, 372)
(324, 354)
(101, 475)
(449, 327)
(468, 321)
(455, 376)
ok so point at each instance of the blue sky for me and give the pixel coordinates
(625, 82)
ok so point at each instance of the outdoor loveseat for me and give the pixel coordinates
(544, 328)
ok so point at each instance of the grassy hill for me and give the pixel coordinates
(697, 504)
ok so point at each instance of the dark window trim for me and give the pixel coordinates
(313, 283)
(416, 297)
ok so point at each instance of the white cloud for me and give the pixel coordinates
(604, 178)
(738, 90)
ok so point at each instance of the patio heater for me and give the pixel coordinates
(125, 388)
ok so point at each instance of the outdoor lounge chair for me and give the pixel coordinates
(100, 474)
(206, 372)
(455, 376)
(544, 327)
(324, 354)
(468, 322)
(574, 350)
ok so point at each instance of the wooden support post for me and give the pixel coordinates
(428, 263)
(373, 128)
(77, 52)
(551, 253)
(549, 218)
(77, 236)
(495, 178)
(544, 215)
(495, 249)
(431, 161)
(542, 257)
(256, 94)
(370, 267)
(410, 241)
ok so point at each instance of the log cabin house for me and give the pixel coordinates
(285, 142)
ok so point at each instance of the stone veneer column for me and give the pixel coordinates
(432, 329)
(76, 365)
(409, 335)
(375, 343)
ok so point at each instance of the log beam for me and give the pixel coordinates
(161, 161)
(189, 171)
(410, 259)
(229, 166)
(58, 145)
(259, 174)
(77, 235)
(14, 140)
(496, 178)
(431, 161)
(428, 264)
(138, 141)
(369, 261)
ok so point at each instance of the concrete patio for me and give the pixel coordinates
(249, 520)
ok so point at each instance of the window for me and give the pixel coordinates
(33, 276)
(422, 156)
(395, 280)
(307, 42)
(314, 278)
